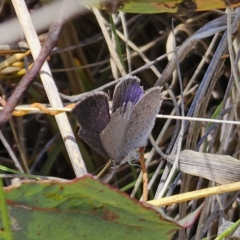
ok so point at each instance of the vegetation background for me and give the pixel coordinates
(81, 62)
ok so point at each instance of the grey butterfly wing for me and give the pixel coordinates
(127, 90)
(126, 94)
(142, 120)
(92, 113)
(112, 136)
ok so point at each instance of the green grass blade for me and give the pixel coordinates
(119, 52)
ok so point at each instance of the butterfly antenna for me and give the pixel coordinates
(98, 169)
(105, 168)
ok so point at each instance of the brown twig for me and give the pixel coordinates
(144, 171)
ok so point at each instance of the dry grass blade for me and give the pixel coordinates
(189, 196)
(109, 42)
(51, 89)
(218, 168)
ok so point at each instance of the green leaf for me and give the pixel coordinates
(159, 6)
(81, 209)
(7, 234)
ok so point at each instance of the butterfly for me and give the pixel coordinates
(118, 135)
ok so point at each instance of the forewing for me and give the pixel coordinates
(142, 119)
(92, 113)
(127, 90)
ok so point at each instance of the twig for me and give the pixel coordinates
(144, 174)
